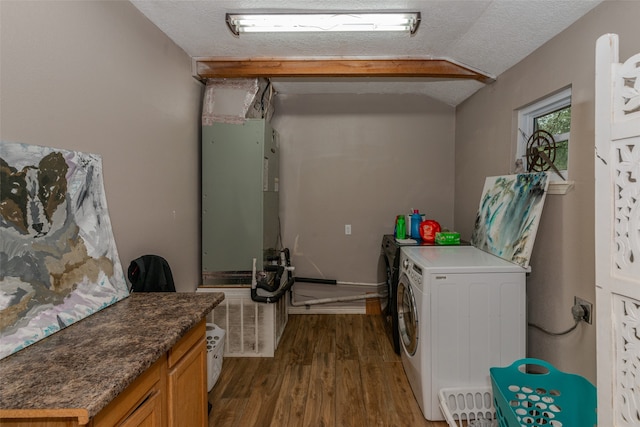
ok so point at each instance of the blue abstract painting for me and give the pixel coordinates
(509, 214)
(58, 258)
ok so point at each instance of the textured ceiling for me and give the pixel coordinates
(487, 35)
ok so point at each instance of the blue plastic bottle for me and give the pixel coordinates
(416, 219)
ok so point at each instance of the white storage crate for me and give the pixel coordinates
(471, 405)
(215, 350)
(252, 329)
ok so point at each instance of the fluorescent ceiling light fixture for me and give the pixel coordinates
(321, 22)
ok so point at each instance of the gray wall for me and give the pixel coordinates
(359, 160)
(99, 77)
(563, 257)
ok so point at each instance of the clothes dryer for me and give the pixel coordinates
(390, 253)
(460, 312)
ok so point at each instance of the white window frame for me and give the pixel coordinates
(526, 117)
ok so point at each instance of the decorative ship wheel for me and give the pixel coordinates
(541, 152)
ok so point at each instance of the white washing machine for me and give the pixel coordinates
(461, 311)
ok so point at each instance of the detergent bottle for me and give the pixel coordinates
(400, 227)
(416, 219)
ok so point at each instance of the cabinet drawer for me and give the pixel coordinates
(43, 418)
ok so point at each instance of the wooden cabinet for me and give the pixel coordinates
(141, 404)
(187, 380)
(172, 392)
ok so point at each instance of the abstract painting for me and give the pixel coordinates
(58, 258)
(509, 214)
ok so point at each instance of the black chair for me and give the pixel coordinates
(150, 273)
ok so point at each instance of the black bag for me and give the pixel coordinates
(150, 273)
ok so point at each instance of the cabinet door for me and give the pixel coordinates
(188, 389)
(148, 414)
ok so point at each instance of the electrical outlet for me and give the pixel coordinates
(347, 229)
(588, 309)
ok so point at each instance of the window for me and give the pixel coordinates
(553, 115)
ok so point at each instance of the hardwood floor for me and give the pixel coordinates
(329, 370)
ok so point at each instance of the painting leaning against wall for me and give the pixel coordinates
(58, 258)
(509, 214)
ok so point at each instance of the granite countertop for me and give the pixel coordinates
(86, 365)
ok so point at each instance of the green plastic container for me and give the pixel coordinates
(544, 399)
(447, 238)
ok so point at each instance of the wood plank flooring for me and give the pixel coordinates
(329, 370)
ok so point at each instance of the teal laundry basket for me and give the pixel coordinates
(532, 393)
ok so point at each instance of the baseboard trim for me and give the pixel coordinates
(327, 310)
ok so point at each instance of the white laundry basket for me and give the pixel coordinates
(473, 405)
(215, 349)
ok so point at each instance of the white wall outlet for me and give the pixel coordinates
(347, 229)
(587, 307)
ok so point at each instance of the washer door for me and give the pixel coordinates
(407, 316)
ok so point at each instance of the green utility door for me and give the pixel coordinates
(239, 195)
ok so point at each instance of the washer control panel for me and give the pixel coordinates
(413, 271)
